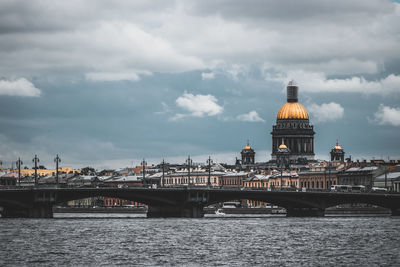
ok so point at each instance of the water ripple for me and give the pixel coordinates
(200, 242)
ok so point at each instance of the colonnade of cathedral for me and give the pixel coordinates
(297, 145)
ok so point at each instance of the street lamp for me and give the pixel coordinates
(209, 162)
(163, 164)
(144, 163)
(57, 160)
(35, 160)
(189, 164)
(19, 163)
(329, 174)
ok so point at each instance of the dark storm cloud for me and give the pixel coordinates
(36, 16)
(290, 10)
(126, 40)
(106, 76)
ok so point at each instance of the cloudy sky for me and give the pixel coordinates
(106, 83)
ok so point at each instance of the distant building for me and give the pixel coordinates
(337, 153)
(248, 155)
(360, 176)
(122, 181)
(286, 179)
(45, 172)
(388, 180)
(197, 178)
(9, 179)
(257, 181)
(318, 178)
(233, 179)
(293, 127)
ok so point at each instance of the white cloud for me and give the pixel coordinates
(198, 105)
(207, 75)
(317, 82)
(326, 111)
(118, 76)
(252, 116)
(18, 87)
(387, 116)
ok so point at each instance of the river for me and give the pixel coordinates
(132, 240)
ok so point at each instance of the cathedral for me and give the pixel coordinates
(293, 129)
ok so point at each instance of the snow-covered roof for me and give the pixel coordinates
(357, 169)
(11, 174)
(236, 174)
(128, 178)
(390, 176)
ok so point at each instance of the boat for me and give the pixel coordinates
(219, 212)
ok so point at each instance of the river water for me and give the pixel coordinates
(132, 240)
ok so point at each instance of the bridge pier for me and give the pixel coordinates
(38, 211)
(190, 211)
(305, 212)
(395, 212)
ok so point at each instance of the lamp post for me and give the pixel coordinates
(57, 160)
(144, 163)
(19, 163)
(385, 177)
(325, 181)
(329, 171)
(209, 161)
(35, 160)
(163, 164)
(189, 164)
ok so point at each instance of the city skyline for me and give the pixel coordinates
(172, 79)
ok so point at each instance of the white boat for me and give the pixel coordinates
(219, 212)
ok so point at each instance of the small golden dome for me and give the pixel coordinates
(247, 147)
(292, 110)
(337, 147)
(282, 145)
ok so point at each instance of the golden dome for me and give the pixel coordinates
(247, 147)
(282, 145)
(292, 110)
(337, 147)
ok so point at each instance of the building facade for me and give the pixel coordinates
(318, 178)
(45, 172)
(364, 176)
(248, 155)
(293, 128)
(337, 153)
(233, 179)
(196, 178)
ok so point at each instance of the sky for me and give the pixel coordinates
(108, 83)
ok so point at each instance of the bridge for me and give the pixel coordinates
(185, 202)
